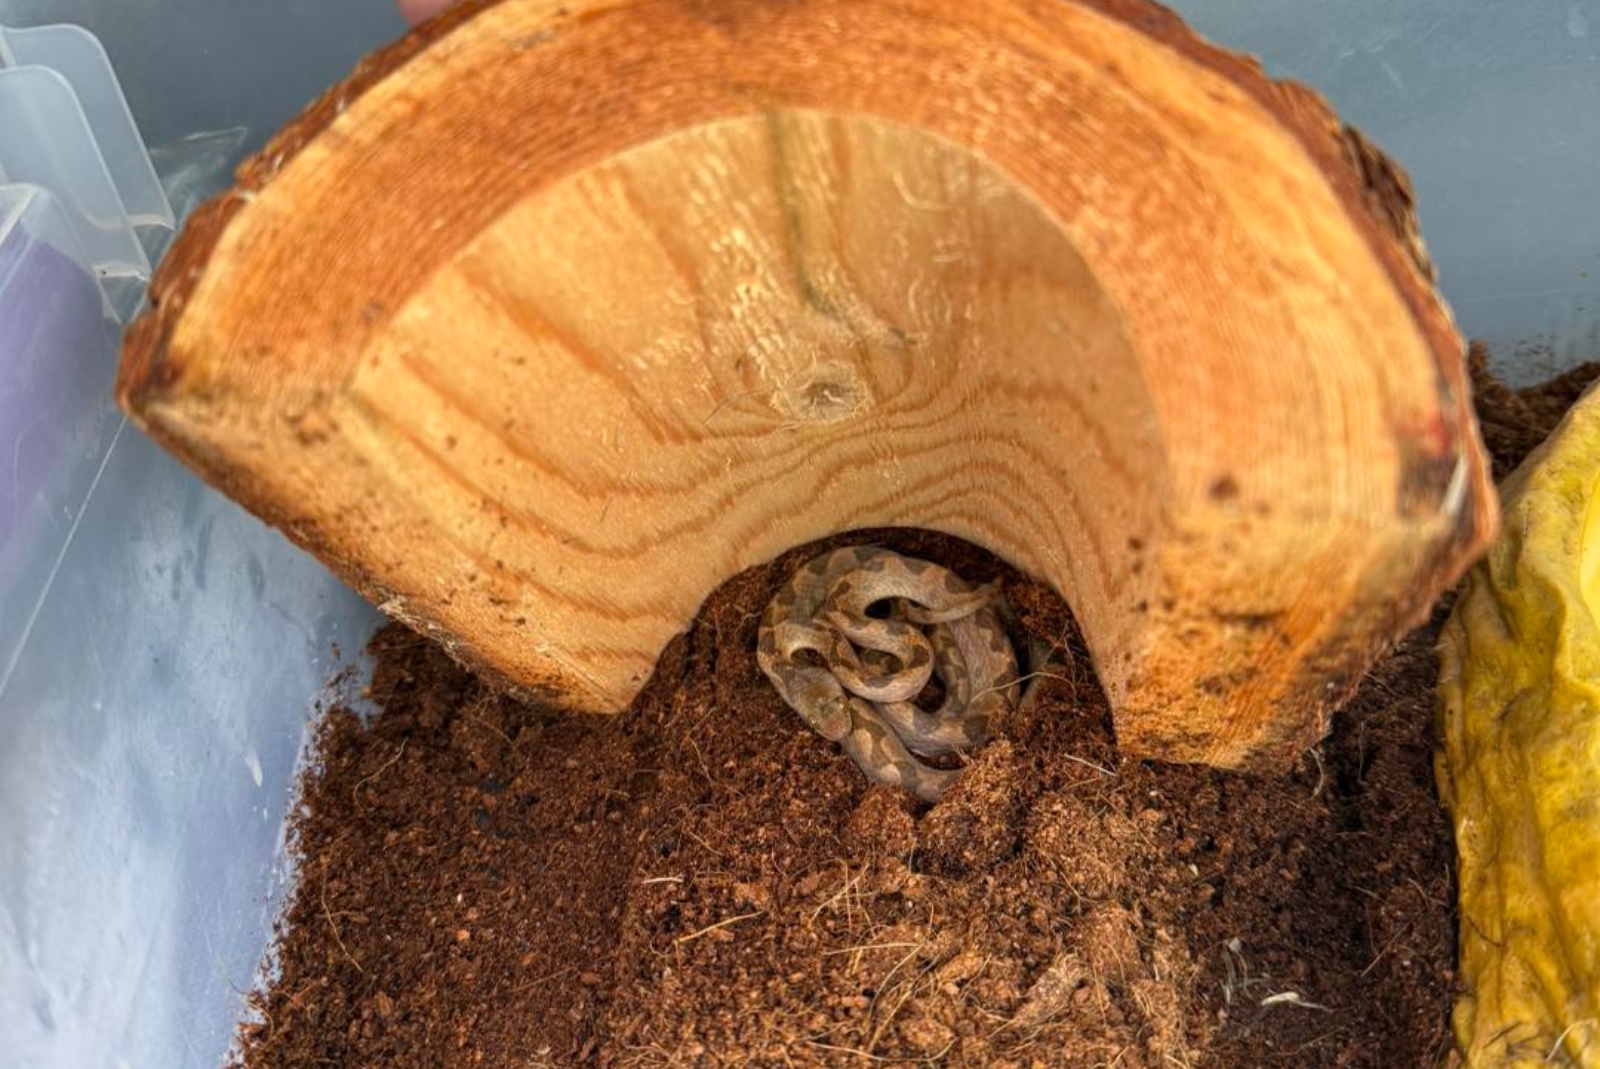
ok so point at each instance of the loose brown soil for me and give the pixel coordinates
(704, 882)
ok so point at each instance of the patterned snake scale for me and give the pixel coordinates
(854, 677)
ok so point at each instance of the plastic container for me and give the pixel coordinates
(161, 653)
(75, 57)
(1490, 107)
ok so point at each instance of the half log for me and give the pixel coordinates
(556, 315)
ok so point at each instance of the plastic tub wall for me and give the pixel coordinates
(161, 652)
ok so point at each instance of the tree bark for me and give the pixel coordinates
(552, 318)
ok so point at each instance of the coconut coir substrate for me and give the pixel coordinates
(704, 882)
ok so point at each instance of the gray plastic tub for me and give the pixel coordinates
(164, 658)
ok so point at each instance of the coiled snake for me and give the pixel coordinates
(854, 677)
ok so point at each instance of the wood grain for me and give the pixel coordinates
(553, 319)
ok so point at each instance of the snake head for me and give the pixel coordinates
(826, 710)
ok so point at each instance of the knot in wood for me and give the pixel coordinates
(825, 394)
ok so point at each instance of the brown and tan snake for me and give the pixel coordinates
(854, 677)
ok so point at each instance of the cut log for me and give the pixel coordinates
(552, 318)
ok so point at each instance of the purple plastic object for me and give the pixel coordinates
(56, 344)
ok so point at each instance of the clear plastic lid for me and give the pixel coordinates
(66, 133)
(45, 141)
(78, 57)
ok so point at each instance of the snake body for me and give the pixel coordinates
(853, 676)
